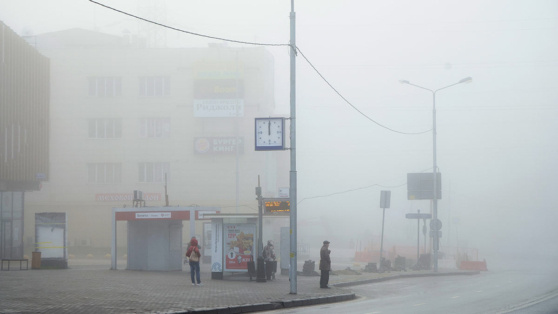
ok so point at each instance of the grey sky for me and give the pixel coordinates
(497, 136)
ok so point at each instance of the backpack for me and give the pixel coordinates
(194, 257)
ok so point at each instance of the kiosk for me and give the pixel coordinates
(155, 235)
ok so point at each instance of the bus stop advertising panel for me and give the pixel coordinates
(239, 245)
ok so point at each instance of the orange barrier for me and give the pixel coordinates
(473, 265)
(365, 257)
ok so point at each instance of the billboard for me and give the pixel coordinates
(420, 186)
(51, 234)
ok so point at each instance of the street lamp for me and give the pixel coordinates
(435, 165)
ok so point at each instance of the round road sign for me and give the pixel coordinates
(435, 224)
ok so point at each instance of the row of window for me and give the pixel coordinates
(148, 172)
(112, 127)
(111, 86)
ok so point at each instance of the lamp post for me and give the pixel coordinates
(435, 165)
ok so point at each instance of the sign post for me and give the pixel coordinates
(418, 216)
(260, 272)
(384, 203)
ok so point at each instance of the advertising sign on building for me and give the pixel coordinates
(218, 90)
(239, 246)
(218, 145)
(218, 108)
(118, 197)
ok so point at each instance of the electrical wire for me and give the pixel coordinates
(265, 44)
(350, 104)
(361, 188)
(187, 32)
(351, 190)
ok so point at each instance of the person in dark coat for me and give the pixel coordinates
(325, 265)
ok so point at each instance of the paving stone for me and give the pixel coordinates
(97, 289)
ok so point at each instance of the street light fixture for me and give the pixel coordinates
(435, 165)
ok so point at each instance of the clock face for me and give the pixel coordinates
(269, 134)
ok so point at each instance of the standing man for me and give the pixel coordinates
(325, 265)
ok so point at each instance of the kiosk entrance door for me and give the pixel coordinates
(155, 245)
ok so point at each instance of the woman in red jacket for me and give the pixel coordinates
(194, 254)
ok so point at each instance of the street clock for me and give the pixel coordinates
(270, 133)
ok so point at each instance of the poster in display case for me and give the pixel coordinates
(239, 246)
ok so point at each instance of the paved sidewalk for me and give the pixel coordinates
(91, 287)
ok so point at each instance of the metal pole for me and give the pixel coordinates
(260, 218)
(113, 249)
(382, 241)
(424, 233)
(418, 237)
(435, 238)
(435, 185)
(260, 270)
(236, 127)
(293, 188)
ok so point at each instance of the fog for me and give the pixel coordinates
(496, 136)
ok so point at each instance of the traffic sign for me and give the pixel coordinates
(436, 224)
(418, 216)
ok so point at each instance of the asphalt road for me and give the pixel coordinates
(530, 287)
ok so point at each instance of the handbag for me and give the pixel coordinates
(194, 257)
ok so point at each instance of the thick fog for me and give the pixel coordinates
(496, 136)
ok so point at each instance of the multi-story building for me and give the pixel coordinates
(164, 121)
(24, 134)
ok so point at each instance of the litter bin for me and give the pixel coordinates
(35, 260)
(270, 269)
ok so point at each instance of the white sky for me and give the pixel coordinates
(497, 136)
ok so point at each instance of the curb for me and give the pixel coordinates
(249, 308)
(367, 281)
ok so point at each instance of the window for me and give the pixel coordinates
(104, 173)
(105, 86)
(153, 171)
(105, 128)
(155, 127)
(154, 86)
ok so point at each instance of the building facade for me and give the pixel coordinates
(24, 134)
(174, 123)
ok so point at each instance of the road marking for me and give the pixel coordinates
(455, 297)
(479, 291)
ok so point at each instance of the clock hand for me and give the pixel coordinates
(269, 128)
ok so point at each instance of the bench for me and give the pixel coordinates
(20, 260)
